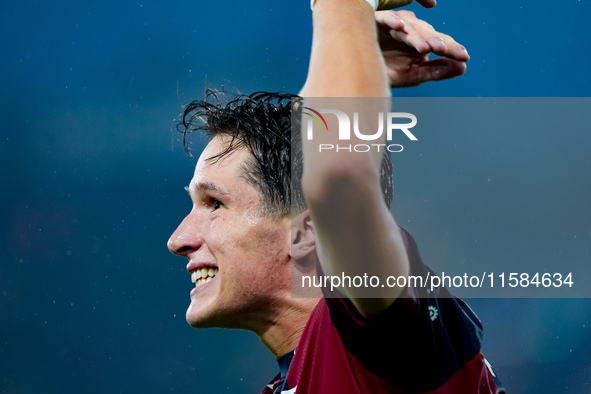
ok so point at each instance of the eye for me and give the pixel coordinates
(217, 204)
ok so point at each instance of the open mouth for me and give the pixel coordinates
(203, 275)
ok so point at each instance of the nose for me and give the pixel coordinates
(186, 239)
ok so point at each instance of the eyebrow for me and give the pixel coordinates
(207, 187)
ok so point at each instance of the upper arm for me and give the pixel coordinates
(356, 236)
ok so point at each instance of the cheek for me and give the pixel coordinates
(249, 241)
(250, 218)
(230, 236)
(273, 244)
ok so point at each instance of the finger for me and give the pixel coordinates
(421, 35)
(455, 50)
(389, 20)
(440, 69)
(441, 44)
(411, 37)
(430, 35)
(420, 32)
(437, 44)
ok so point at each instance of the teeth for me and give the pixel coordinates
(203, 275)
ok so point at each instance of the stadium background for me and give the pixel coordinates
(93, 171)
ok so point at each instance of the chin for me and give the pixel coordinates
(197, 318)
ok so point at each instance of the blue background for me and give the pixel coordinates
(93, 172)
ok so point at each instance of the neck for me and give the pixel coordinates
(282, 334)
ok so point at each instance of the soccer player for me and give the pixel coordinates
(251, 232)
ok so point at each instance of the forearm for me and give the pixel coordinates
(346, 60)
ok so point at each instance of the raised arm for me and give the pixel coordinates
(355, 233)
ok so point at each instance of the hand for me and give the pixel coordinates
(406, 44)
(391, 4)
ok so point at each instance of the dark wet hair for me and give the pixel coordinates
(261, 122)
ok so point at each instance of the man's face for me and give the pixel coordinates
(239, 259)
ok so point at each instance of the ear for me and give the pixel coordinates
(303, 235)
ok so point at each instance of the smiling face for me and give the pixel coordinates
(239, 259)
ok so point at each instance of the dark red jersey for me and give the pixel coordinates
(425, 342)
